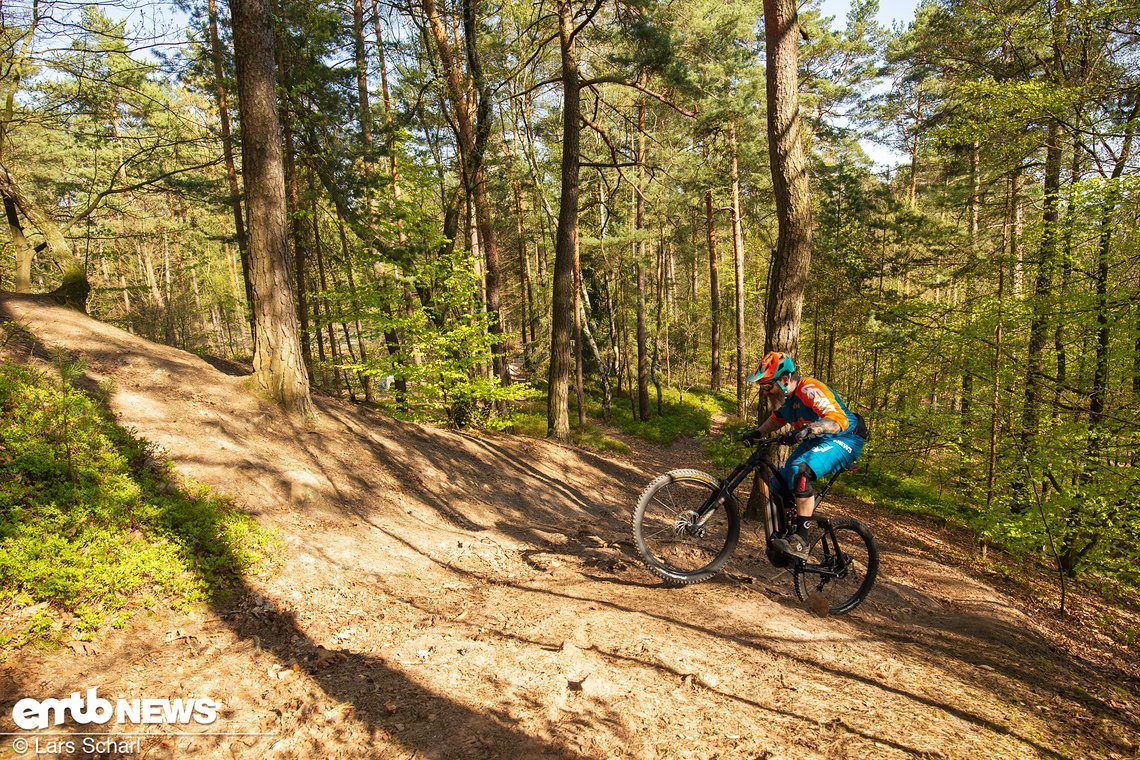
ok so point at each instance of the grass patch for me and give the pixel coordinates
(92, 525)
(689, 415)
(685, 414)
(532, 423)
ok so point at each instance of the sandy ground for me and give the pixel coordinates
(449, 595)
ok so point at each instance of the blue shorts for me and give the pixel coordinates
(823, 455)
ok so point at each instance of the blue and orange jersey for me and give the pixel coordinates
(812, 401)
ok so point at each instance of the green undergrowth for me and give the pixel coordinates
(532, 423)
(92, 526)
(906, 494)
(684, 414)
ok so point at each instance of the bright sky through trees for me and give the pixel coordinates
(891, 12)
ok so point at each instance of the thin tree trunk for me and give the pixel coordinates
(657, 331)
(363, 375)
(1042, 302)
(603, 369)
(362, 76)
(296, 232)
(714, 293)
(995, 400)
(566, 240)
(738, 266)
(228, 155)
(579, 379)
(640, 252)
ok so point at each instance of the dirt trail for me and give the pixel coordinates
(447, 595)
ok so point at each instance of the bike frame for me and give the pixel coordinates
(775, 517)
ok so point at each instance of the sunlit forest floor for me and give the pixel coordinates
(447, 594)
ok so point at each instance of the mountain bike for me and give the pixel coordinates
(687, 524)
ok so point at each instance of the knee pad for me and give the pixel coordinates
(801, 481)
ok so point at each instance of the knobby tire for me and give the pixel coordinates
(677, 557)
(842, 594)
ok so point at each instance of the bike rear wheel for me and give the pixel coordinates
(842, 568)
(677, 545)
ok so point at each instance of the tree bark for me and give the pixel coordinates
(25, 253)
(296, 232)
(1042, 306)
(278, 367)
(789, 180)
(228, 155)
(738, 265)
(579, 370)
(566, 239)
(640, 252)
(714, 294)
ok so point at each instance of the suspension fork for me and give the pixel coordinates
(722, 493)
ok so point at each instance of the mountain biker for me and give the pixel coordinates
(830, 437)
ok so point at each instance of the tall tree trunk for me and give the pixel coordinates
(387, 100)
(738, 265)
(642, 358)
(526, 289)
(915, 145)
(789, 180)
(228, 155)
(603, 368)
(1010, 230)
(579, 370)
(296, 232)
(362, 76)
(1042, 303)
(694, 228)
(966, 406)
(566, 239)
(787, 275)
(362, 375)
(278, 367)
(1047, 253)
(714, 292)
(640, 246)
(1112, 197)
(653, 370)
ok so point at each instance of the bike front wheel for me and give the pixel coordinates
(841, 567)
(678, 542)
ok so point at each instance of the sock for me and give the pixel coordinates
(803, 525)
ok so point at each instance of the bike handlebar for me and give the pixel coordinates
(784, 439)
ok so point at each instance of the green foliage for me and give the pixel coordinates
(91, 526)
(444, 354)
(688, 416)
(725, 450)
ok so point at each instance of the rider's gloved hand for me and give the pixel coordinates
(751, 438)
(793, 437)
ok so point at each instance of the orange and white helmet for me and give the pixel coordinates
(775, 364)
